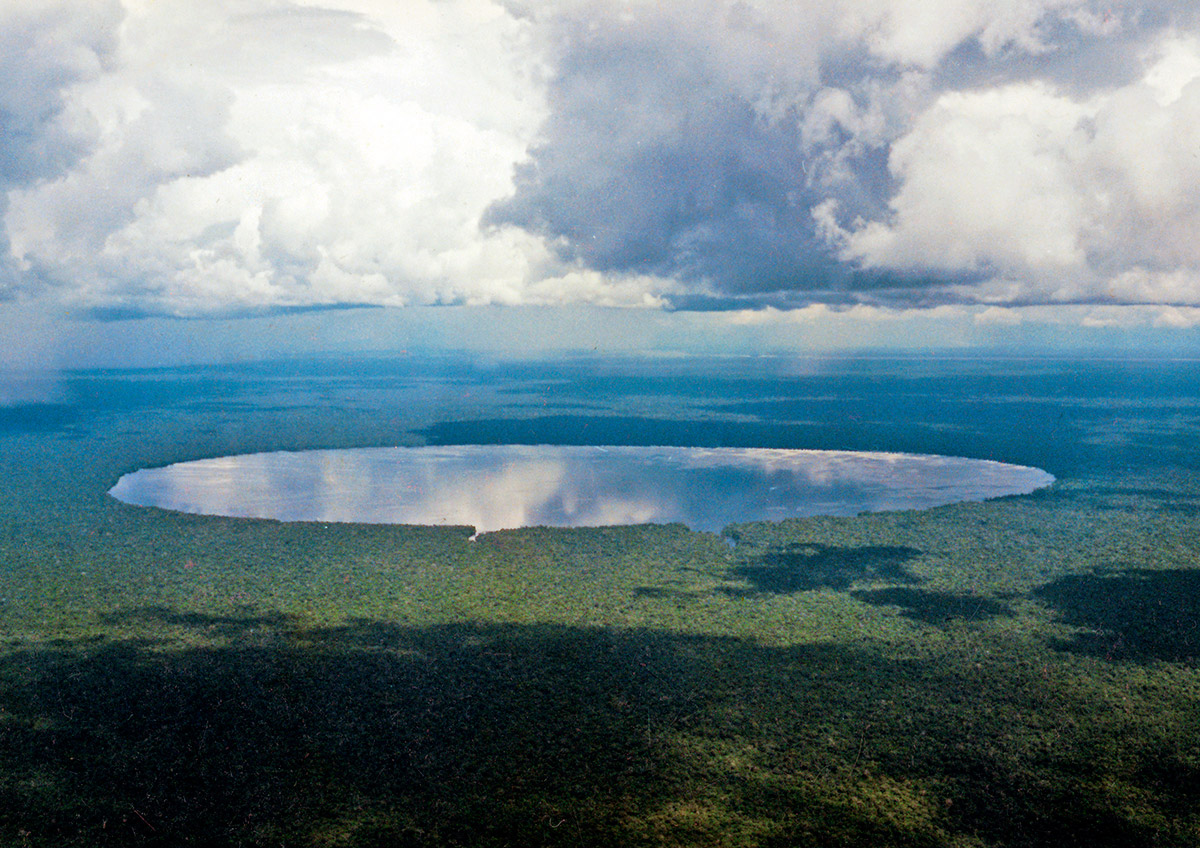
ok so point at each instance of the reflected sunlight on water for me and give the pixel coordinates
(498, 487)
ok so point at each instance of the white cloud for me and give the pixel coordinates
(922, 32)
(998, 317)
(985, 180)
(44, 45)
(1178, 318)
(1049, 197)
(251, 155)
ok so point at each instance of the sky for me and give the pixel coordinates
(190, 180)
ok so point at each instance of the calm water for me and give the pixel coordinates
(495, 487)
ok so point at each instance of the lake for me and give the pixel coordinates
(494, 487)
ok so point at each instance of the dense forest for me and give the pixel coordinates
(1017, 672)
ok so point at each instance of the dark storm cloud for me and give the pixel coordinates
(653, 162)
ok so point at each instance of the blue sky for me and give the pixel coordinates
(190, 180)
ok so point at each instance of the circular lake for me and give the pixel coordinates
(490, 487)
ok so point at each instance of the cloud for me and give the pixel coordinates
(912, 153)
(1050, 198)
(688, 141)
(241, 156)
(255, 155)
(985, 180)
(43, 47)
(998, 317)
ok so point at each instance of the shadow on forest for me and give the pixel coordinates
(229, 625)
(1140, 614)
(376, 734)
(802, 567)
(934, 607)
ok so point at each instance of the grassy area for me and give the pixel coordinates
(1021, 672)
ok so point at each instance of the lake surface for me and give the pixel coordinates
(493, 487)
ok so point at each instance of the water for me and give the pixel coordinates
(499, 487)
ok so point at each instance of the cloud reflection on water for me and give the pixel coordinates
(498, 487)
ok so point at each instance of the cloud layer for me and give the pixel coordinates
(201, 158)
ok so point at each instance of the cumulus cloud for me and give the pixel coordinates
(43, 47)
(1048, 197)
(689, 140)
(234, 156)
(251, 154)
(891, 152)
(985, 179)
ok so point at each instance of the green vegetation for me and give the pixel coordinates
(1021, 672)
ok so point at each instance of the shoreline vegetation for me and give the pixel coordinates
(1015, 672)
